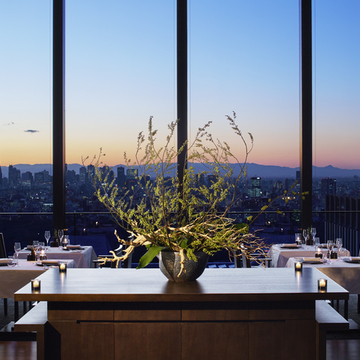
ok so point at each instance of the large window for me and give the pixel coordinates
(120, 70)
(25, 91)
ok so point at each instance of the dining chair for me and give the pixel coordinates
(3, 253)
(249, 255)
(118, 252)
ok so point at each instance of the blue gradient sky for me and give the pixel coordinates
(121, 64)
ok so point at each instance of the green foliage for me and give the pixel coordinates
(161, 214)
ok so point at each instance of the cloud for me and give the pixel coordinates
(31, 131)
(8, 124)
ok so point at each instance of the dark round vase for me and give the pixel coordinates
(169, 262)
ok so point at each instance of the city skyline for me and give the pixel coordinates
(120, 70)
(253, 170)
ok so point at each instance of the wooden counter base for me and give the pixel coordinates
(236, 321)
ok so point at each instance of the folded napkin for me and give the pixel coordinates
(289, 245)
(352, 259)
(5, 261)
(312, 260)
(73, 247)
(50, 262)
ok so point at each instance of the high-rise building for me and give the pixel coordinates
(42, 177)
(70, 176)
(255, 187)
(328, 186)
(120, 177)
(14, 176)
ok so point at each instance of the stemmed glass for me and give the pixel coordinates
(36, 245)
(47, 237)
(313, 232)
(339, 245)
(305, 235)
(60, 233)
(17, 248)
(330, 244)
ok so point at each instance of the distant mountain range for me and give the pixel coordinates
(264, 171)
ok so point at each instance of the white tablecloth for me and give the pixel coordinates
(83, 258)
(345, 274)
(14, 278)
(280, 256)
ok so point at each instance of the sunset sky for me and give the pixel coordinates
(121, 65)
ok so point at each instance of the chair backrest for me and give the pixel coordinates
(3, 253)
(246, 263)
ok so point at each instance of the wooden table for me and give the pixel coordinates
(14, 278)
(138, 314)
(343, 273)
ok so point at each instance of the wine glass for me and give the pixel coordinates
(47, 237)
(35, 244)
(305, 235)
(60, 233)
(316, 242)
(330, 244)
(339, 245)
(67, 240)
(313, 232)
(17, 248)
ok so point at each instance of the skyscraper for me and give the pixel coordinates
(255, 187)
(14, 176)
(120, 177)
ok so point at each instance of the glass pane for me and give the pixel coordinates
(25, 90)
(336, 123)
(25, 112)
(120, 71)
(244, 57)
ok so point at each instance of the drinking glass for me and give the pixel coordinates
(67, 239)
(316, 241)
(305, 233)
(12, 261)
(313, 232)
(339, 243)
(60, 233)
(35, 244)
(17, 248)
(330, 244)
(47, 237)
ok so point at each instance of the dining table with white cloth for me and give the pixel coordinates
(82, 255)
(15, 277)
(342, 271)
(281, 253)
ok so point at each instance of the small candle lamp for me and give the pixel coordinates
(319, 254)
(62, 268)
(298, 266)
(35, 286)
(322, 285)
(43, 255)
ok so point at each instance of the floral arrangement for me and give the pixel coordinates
(160, 213)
